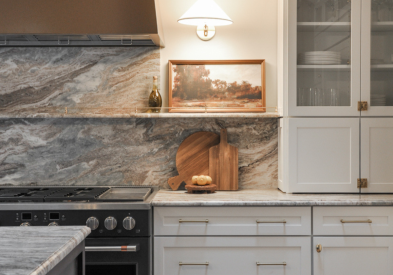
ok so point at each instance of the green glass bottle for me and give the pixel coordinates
(155, 99)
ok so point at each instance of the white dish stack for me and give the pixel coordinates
(378, 100)
(319, 58)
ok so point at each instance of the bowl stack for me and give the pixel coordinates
(319, 58)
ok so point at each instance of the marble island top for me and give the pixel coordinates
(37, 250)
(271, 197)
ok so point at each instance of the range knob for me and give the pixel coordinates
(128, 223)
(25, 224)
(53, 224)
(93, 223)
(110, 223)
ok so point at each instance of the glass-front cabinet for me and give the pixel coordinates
(377, 57)
(339, 53)
(324, 57)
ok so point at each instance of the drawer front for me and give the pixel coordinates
(353, 221)
(232, 255)
(199, 221)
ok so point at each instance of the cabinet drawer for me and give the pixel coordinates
(353, 221)
(199, 221)
(232, 255)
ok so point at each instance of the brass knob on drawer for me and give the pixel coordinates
(319, 248)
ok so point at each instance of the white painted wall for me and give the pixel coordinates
(253, 35)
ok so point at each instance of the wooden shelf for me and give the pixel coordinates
(324, 26)
(382, 26)
(324, 67)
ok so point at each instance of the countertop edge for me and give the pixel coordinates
(62, 252)
(272, 203)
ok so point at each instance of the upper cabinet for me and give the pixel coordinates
(323, 52)
(335, 54)
(377, 57)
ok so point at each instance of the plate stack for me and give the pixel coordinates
(319, 58)
(378, 100)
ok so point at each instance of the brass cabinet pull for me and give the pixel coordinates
(284, 221)
(365, 221)
(319, 248)
(206, 263)
(283, 263)
(200, 221)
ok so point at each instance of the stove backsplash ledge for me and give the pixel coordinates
(125, 152)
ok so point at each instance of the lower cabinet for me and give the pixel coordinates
(353, 255)
(232, 255)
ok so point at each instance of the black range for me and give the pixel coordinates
(120, 219)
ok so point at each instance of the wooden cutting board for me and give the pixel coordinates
(192, 157)
(224, 164)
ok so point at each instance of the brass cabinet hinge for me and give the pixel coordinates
(362, 105)
(362, 183)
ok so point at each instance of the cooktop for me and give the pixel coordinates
(74, 194)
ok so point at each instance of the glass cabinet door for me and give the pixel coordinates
(327, 58)
(377, 57)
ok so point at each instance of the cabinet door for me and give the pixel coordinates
(377, 154)
(323, 57)
(353, 255)
(323, 155)
(377, 57)
(232, 255)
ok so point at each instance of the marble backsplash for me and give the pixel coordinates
(133, 151)
(105, 151)
(34, 80)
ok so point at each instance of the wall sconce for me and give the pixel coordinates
(205, 14)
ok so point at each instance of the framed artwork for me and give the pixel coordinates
(225, 86)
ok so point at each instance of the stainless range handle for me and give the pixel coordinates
(123, 248)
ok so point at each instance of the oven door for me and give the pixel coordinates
(120, 256)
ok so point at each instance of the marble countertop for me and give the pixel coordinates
(36, 250)
(272, 197)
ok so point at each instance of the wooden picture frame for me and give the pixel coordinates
(260, 105)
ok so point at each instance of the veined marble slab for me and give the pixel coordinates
(33, 79)
(272, 197)
(37, 250)
(122, 152)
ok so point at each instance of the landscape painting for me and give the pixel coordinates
(222, 86)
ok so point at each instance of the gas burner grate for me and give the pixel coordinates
(76, 194)
(26, 194)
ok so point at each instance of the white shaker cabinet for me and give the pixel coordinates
(377, 154)
(353, 255)
(319, 155)
(232, 255)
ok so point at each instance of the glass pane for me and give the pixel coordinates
(324, 53)
(381, 53)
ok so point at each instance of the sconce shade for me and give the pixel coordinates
(205, 12)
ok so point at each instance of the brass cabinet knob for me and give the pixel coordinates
(319, 248)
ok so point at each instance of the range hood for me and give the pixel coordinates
(80, 23)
